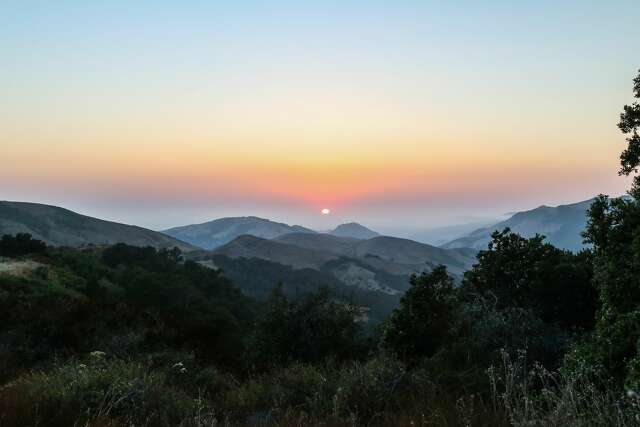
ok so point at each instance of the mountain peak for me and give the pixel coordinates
(212, 234)
(354, 230)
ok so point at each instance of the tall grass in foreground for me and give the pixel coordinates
(103, 392)
(538, 397)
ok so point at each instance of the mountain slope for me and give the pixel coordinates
(378, 285)
(61, 227)
(391, 254)
(561, 225)
(212, 234)
(247, 246)
(354, 230)
(257, 278)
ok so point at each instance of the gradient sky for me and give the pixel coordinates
(406, 112)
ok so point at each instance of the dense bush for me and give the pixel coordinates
(422, 322)
(310, 329)
(20, 244)
(534, 275)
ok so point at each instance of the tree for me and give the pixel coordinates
(534, 275)
(613, 228)
(629, 125)
(310, 329)
(421, 324)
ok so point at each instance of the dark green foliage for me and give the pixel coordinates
(125, 299)
(534, 275)
(20, 244)
(309, 329)
(613, 349)
(421, 324)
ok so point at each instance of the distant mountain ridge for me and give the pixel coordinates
(354, 230)
(391, 255)
(562, 225)
(61, 227)
(211, 234)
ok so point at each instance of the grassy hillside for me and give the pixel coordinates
(62, 227)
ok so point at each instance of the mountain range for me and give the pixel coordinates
(373, 273)
(561, 225)
(256, 253)
(212, 234)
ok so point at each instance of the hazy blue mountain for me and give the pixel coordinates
(439, 235)
(61, 227)
(210, 235)
(354, 230)
(561, 225)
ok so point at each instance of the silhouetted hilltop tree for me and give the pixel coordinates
(629, 125)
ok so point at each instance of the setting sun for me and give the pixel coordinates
(325, 211)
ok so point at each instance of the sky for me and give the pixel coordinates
(418, 113)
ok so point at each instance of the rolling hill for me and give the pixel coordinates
(247, 246)
(391, 254)
(257, 278)
(380, 265)
(561, 225)
(61, 227)
(210, 235)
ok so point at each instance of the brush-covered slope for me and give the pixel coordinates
(562, 226)
(255, 247)
(390, 254)
(257, 278)
(210, 235)
(61, 227)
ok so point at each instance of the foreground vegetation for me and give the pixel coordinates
(533, 336)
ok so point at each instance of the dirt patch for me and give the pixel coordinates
(18, 268)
